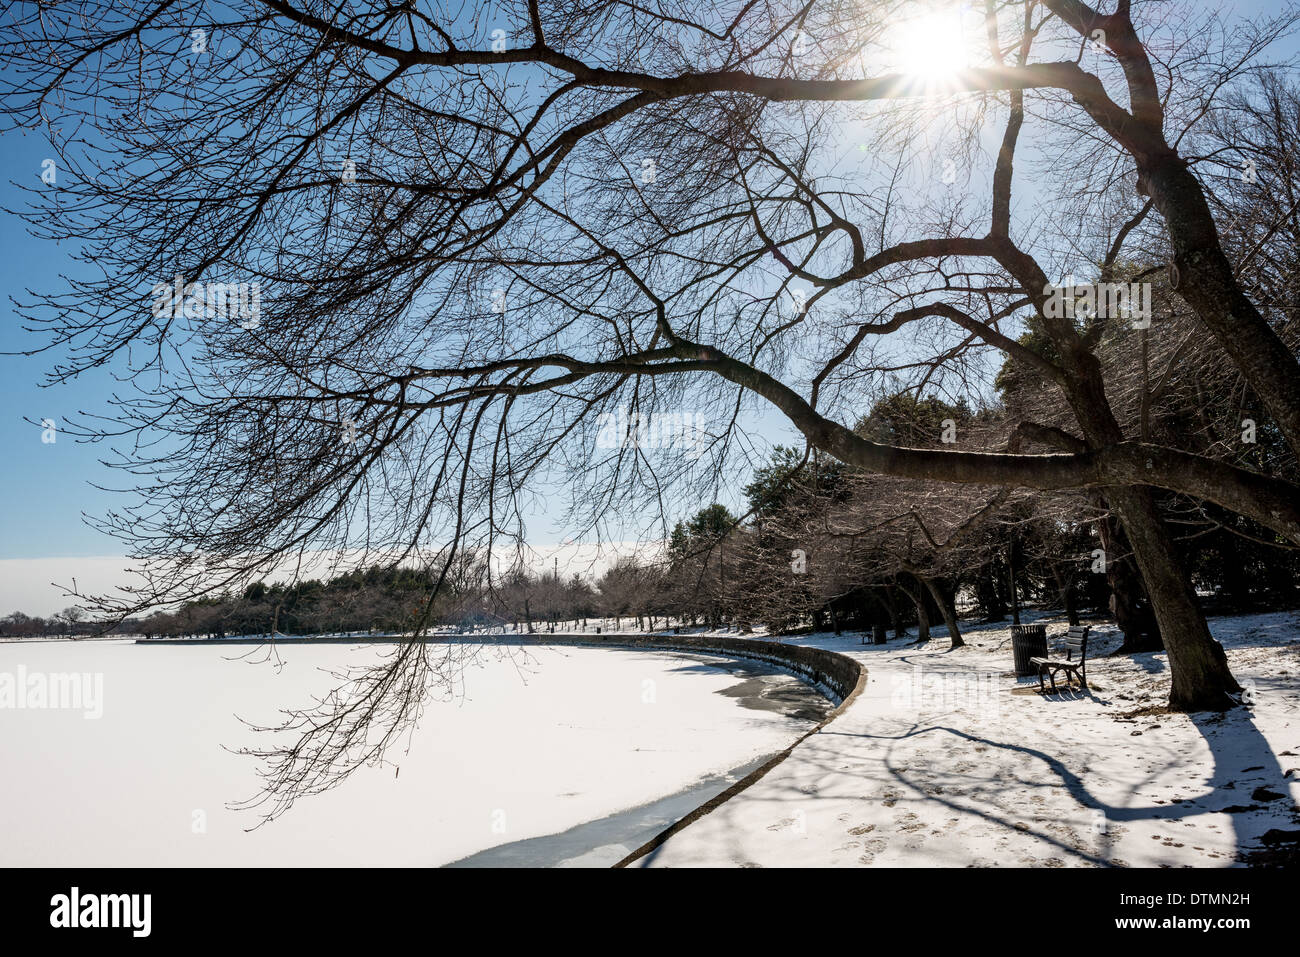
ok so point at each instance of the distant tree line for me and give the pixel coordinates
(71, 622)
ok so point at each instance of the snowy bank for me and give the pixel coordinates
(946, 759)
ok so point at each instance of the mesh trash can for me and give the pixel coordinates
(1028, 641)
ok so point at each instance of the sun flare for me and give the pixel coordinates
(932, 45)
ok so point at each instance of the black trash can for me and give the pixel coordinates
(878, 634)
(1028, 641)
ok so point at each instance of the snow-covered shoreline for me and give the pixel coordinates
(947, 760)
(944, 759)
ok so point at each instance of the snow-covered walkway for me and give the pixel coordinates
(946, 760)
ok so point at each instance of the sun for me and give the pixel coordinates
(931, 45)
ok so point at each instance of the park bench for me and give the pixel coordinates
(1076, 640)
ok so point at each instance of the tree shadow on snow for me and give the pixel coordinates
(1247, 786)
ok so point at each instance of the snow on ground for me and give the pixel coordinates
(534, 743)
(947, 759)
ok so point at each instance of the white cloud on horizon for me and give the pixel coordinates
(35, 586)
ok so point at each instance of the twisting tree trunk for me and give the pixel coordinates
(922, 612)
(1141, 632)
(944, 599)
(1065, 588)
(990, 598)
(895, 618)
(1197, 663)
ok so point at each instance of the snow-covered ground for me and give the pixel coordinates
(947, 759)
(534, 743)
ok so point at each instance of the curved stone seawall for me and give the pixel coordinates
(834, 675)
(839, 677)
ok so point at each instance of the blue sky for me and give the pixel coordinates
(48, 487)
(44, 486)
